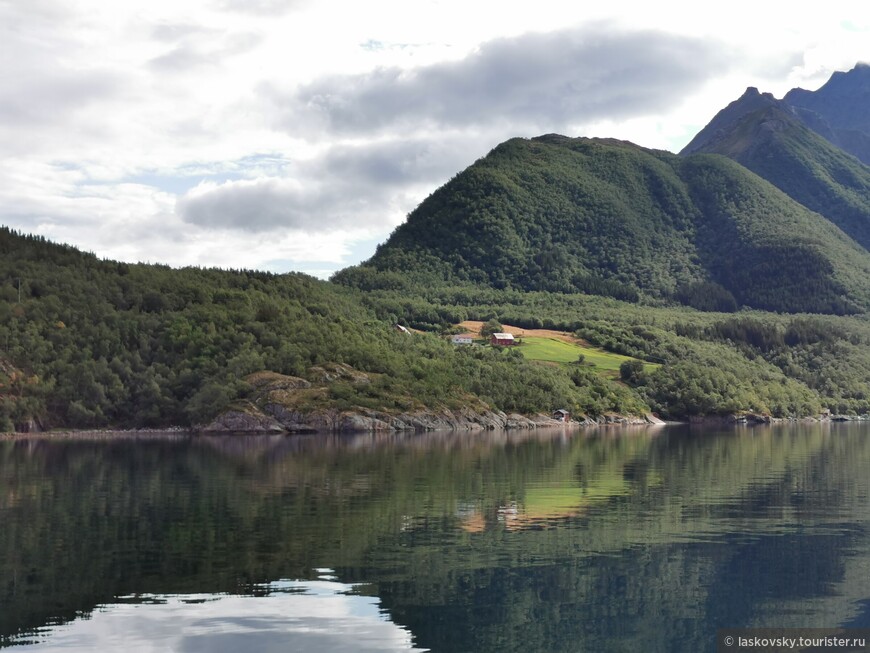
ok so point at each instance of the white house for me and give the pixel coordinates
(462, 339)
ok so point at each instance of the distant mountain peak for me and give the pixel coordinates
(727, 119)
(839, 112)
(841, 84)
(753, 92)
(802, 143)
(861, 69)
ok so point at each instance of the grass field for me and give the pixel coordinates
(560, 347)
(559, 351)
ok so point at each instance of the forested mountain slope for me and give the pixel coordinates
(95, 343)
(611, 218)
(767, 137)
(98, 343)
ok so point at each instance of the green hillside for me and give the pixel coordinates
(610, 218)
(95, 343)
(775, 144)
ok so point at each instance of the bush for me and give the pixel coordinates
(631, 372)
(492, 326)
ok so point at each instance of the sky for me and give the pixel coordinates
(295, 135)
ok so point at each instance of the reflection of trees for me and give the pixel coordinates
(662, 538)
(756, 527)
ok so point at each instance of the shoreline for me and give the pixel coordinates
(510, 423)
(97, 434)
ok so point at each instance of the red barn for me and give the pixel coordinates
(502, 340)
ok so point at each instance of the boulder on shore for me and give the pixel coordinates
(247, 420)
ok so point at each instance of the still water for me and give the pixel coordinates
(597, 540)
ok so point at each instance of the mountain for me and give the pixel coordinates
(722, 128)
(772, 139)
(608, 217)
(839, 110)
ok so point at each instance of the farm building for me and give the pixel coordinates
(462, 339)
(502, 339)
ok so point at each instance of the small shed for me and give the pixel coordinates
(502, 339)
(561, 415)
(462, 339)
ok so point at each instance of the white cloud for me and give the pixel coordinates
(269, 204)
(544, 81)
(260, 7)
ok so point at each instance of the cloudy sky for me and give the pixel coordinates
(296, 134)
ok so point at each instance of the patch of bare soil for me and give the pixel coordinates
(473, 326)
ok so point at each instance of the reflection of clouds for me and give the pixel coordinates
(319, 615)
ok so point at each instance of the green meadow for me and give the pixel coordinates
(558, 351)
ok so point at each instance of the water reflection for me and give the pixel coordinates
(300, 616)
(555, 540)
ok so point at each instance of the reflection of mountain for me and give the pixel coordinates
(627, 539)
(758, 529)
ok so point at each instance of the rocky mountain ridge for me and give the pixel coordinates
(839, 112)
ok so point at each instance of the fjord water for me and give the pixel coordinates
(598, 540)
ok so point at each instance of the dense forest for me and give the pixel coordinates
(95, 343)
(714, 363)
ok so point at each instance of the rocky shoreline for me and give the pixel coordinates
(286, 404)
(331, 421)
(757, 418)
(277, 419)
